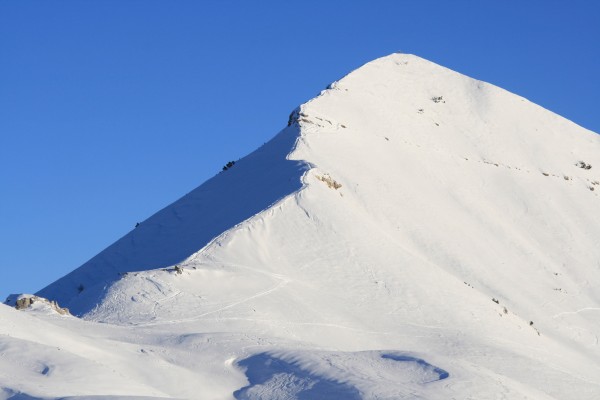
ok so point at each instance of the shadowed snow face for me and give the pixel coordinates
(334, 375)
(181, 229)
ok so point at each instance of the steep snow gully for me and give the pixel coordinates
(412, 233)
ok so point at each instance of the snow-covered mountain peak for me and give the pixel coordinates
(440, 109)
(409, 218)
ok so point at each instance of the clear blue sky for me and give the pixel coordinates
(111, 110)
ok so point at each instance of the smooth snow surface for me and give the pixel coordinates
(413, 233)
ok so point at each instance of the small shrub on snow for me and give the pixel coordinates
(228, 165)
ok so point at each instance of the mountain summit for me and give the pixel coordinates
(412, 233)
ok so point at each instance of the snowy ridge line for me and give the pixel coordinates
(216, 242)
(276, 204)
(180, 230)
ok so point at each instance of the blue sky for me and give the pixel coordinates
(111, 110)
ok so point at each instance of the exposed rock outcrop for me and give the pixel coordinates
(26, 301)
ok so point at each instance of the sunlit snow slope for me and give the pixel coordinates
(413, 233)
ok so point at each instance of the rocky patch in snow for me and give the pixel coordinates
(33, 302)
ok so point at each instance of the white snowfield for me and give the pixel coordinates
(412, 234)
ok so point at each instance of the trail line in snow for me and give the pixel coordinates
(282, 282)
(577, 312)
(323, 324)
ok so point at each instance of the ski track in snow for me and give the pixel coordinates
(576, 312)
(282, 282)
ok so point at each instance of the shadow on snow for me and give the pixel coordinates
(272, 376)
(184, 227)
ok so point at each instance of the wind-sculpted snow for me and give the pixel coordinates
(271, 377)
(184, 227)
(438, 373)
(335, 375)
(406, 207)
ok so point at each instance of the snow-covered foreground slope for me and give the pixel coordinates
(413, 233)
